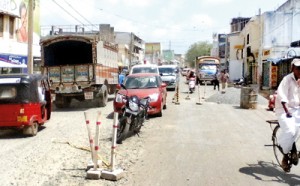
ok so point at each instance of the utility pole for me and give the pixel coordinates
(259, 68)
(30, 36)
(130, 50)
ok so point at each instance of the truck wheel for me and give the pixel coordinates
(31, 130)
(103, 96)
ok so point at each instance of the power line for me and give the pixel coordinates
(67, 12)
(78, 13)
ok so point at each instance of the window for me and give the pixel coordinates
(11, 27)
(248, 39)
(1, 24)
(7, 92)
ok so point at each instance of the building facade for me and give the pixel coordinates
(136, 47)
(14, 34)
(262, 45)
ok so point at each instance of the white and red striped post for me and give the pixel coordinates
(87, 122)
(98, 123)
(205, 84)
(114, 139)
(113, 174)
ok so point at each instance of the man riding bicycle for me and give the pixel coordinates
(288, 113)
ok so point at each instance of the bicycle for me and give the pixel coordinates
(293, 155)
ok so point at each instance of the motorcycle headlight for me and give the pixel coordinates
(154, 97)
(119, 98)
(133, 106)
(271, 96)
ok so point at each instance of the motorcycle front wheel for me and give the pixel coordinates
(122, 129)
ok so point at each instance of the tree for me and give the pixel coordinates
(201, 48)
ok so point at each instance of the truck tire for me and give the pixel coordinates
(103, 96)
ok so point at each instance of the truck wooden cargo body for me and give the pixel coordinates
(81, 67)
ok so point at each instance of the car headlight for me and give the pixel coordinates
(119, 98)
(154, 97)
(133, 106)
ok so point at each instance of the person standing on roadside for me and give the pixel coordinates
(224, 77)
(287, 106)
(216, 80)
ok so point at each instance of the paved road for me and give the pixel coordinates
(215, 143)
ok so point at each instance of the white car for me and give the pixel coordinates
(169, 75)
(147, 68)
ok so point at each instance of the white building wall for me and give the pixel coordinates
(235, 56)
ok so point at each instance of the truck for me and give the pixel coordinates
(79, 66)
(206, 68)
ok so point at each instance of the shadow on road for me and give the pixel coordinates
(17, 133)
(274, 173)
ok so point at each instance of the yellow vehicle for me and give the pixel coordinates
(206, 68)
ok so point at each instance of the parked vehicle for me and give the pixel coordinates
(144, 85)
(169, 75)
(239, 82)
(144, 68)
(133, 117)
(206, 68)
(77, 69)
(25, 102)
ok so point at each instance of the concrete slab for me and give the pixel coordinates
(91, 164)
(93, 174)
(112, 175)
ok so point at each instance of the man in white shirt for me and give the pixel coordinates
(288, 114)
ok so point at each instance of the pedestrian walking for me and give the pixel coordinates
(224, 78)
(216, 80)
(287, 111)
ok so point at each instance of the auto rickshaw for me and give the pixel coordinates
(25, 102)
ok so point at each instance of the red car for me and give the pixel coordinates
(143, 85)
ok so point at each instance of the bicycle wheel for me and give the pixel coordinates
(276, 147)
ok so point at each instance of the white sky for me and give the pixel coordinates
(175, 24)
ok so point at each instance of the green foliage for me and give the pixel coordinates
(201, 48)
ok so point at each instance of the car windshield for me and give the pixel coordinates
(141, 82)
(166, 71)
(144, 70)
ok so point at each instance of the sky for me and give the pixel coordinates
(176, 24)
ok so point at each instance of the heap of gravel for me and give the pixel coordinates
(233, 96)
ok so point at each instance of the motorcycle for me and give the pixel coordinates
(239, 82)
(135, 112)
(192, 82)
